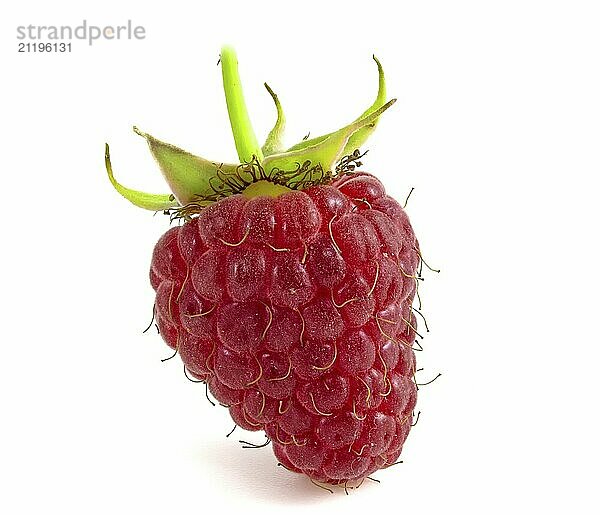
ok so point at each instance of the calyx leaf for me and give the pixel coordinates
(326, 152)
(274, 143)
(188, 176)
(359, 137)
(151, 201)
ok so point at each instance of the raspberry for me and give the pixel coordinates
(288, 290)
(312, 338)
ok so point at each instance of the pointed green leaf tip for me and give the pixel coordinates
(153, 202)
(274, 143)
(359, 137)
(195, 181)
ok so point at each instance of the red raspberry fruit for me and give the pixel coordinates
(288, 290)
(305, 332)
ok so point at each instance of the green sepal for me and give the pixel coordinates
(196, 182)
(188, 176)
(359, 137)
(274, 143)
(325, 153)
(151, 201)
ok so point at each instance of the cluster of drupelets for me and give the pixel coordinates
(296, 313)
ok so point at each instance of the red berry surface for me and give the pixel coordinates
(296, 311)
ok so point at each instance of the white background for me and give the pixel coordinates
(497, 126)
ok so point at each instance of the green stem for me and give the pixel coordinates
(246, 143)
